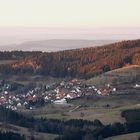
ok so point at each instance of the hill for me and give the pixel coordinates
(53, 45)
(127, 75)
(84, 62)
(26, 132)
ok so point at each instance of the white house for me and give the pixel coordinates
(137, 86)
(62, 101)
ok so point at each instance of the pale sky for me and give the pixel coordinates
(27, 20)
(70, 13)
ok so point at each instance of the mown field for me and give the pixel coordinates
(7, 61)
(127, 76)
(131, 136)
(28, 133)
(25, 79)
(107, 109)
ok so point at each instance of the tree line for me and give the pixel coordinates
(11, 136)
(70, 129)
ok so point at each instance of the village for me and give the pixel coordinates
(55, 93)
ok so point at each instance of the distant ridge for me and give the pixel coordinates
(53, 45)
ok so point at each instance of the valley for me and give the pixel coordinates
(72, 85)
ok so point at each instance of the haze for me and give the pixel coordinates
(29, 20)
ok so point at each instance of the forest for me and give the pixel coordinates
(10, 136)
(70, 129)
(83, 63)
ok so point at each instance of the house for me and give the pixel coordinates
(46, 97)
(34, 96)
(5, 92)
(14, 108)
(99, 92)
(71, 95)
(25, 103)
(114, 89)
(137, 86)
(1, 101)
(62, 101)
(60, 95)
(19, 105)
(105, 92)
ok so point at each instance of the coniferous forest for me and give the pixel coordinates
(83, 63)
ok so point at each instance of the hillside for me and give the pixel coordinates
(127, 75)
(84, 62)
(53, 45)
(131, 136)
(26, 132)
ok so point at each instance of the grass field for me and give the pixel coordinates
(7, 61)
(127, 75)
(89, 109)
(131, 136)
(26, 132)
(28, 78)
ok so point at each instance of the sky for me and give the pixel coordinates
(69, 16)
(70, 13)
